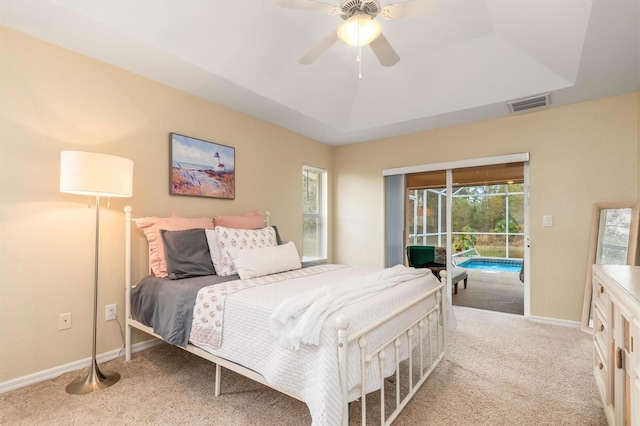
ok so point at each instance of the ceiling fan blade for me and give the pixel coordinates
(319, 49)
(409, 9)
(309, 5)
(383, 50)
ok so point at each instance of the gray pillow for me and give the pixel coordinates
(278, 239)
(187, 253)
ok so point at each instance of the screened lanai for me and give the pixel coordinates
(487, 220)
(487, 231)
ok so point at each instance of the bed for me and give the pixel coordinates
(324, 334)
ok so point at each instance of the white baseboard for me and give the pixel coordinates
(52, 373)
(533, 318)
(554, 321)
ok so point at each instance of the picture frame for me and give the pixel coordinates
(200, 168)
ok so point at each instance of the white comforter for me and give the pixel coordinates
(300, 318)
(311, 373)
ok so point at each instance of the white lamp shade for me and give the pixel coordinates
(359, 30)
(90, 173)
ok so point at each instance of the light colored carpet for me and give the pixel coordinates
(501, 370)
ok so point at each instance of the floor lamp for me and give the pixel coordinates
(88, 173)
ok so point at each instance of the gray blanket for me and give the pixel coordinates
(167, 305)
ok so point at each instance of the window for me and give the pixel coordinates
(479, 219)
(314, 213)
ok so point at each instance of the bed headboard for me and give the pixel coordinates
(138, 265)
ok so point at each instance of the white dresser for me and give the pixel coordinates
(616, 322)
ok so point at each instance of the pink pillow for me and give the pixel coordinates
(151, 227)
(251, 220)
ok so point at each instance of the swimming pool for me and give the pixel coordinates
(492, 264)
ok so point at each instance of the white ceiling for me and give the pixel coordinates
(462, 63)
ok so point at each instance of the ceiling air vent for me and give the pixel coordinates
(528, 104)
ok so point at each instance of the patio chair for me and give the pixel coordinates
(420, 256)
(458, 275)
(426, 257)
(435, 258)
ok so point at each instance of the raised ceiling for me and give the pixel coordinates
(459, 64)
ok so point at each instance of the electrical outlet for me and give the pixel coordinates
(64, 321)
(110, 312)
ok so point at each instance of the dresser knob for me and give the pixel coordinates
(619, 360)
(601, 327)
(600, 366)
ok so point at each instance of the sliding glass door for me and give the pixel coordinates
(463, 209)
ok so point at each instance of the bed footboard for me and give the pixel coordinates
(431, 329)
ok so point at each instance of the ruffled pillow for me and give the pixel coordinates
(151, 227)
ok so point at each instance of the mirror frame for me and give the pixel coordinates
(632, 251)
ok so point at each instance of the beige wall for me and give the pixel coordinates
(580, 154)
(54, 100)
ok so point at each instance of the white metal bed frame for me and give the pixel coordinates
(423, 324)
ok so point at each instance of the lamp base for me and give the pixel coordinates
(94, 381)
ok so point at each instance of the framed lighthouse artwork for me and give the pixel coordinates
(200, 168)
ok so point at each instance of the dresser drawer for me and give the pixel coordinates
(600, 371)
(635, 351)
(600, 294)
(601, 333)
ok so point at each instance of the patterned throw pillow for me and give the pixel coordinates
(243, 239)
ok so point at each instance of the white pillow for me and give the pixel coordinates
(242, 239)
(214, 248)
(264, 261)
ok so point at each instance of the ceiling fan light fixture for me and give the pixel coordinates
(359, 30)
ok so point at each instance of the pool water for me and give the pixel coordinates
(498, 265)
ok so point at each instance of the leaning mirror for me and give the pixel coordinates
(613, 241)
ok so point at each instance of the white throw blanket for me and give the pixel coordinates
(299, 318)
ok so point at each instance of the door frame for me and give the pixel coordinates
(522, 157)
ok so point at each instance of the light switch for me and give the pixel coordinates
(547, 220)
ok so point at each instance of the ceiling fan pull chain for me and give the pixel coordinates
(359, 49)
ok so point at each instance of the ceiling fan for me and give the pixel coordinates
(360, 26)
